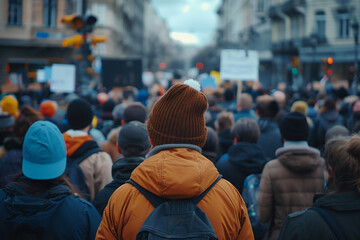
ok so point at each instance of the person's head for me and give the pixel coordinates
(118, 112)
(229, 94)
(6, 121)
(245, 101)
(266, 107)
(44, 152)
(300, 106)
(224, 120)
(209, 150)
(133, 140)
(48, 108)
(342, 156)
(108, 106)
(79, 114)
(246, 130)
(329, 105)
(134, 111)
(10, 105)
(356, 109)
(336, 131)
(178, 116)
(280, 98)
(129, 94)
(294, 127)
(27, 117)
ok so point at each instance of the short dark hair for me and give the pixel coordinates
(135, 112)
(133, 151)
(267, 107)
(246, 130)
(224, 120)
(329, 104)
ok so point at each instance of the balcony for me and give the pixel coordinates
(275, 13)
(285, 47)
(293, 7)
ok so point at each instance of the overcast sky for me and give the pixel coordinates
(189, 21)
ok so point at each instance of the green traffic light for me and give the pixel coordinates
(294, 71)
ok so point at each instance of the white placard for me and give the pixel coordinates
(40, 76)
(239, 65)
(62, 78)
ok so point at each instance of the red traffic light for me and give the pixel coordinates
(329, 60)
(329, 72)
(162, 65)
(199, 65)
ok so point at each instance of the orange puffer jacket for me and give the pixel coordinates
(175, 174)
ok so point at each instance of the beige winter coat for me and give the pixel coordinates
(288, 184)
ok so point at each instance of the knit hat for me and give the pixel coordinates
(10, 105)
(178, 116)
(6, 120)
(300, 106)
(44, 152)
(48, 108)
(294, 127)
(134, 133)
(79, 114)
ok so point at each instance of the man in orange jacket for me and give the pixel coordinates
(175, 169)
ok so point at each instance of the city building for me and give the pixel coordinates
(244, 24)
(305, 33)
(31, 34)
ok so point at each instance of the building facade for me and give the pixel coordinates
(307, 32)
(244, 24)
(31, 34)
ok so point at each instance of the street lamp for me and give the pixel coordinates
(355, 27)
(313, 44)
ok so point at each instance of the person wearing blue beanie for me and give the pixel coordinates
(41, 203)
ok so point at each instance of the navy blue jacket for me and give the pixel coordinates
(10, 165)
(55, 214)
(242, 160)
(270, 137)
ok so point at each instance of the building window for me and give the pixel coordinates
(15, 12)
(343, 19)
(320, 19)
(260, 6)
(50, 9)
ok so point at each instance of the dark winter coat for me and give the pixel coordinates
(121, 172)
(225, 141)
(324, 122)
(288, 184)
(11, 163)
(55, 214)
(344, 208)
(242, 160)
(270, 137)
(246, 113)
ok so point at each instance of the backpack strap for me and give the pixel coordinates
(156, 200)
(85, 151)
(330, 221)
(197, 199)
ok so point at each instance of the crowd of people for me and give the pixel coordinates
(110, 165)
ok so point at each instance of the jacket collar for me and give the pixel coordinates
(296, 148)
(160, 148)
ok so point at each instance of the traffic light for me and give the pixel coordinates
(95, 39)
(199, 65)
(295, 65)
(80, 24)
(329, 63)
(76, 41)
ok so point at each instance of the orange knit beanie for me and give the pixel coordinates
(178, 116)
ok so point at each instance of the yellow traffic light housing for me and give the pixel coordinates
(98, 39)
(68, 19)
(76, 41)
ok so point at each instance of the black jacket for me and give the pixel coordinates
(270, 137)
(121, 172)
(242, 160)
(324, 122)
(344, 208)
